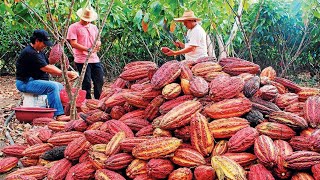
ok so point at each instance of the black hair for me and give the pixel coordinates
(33, 39)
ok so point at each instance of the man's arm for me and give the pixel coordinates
(74, 43)
(53, 70)
(182, 51)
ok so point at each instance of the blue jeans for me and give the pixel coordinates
(95, 72)
(40, 87)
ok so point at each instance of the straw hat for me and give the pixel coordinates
(87, 14)
(187, 15)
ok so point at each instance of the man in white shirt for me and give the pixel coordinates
(195, 46)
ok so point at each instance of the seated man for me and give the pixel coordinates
(33, 69)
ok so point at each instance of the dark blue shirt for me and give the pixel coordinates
(29, 63)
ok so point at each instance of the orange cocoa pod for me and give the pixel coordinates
(283, 100)
(76, 148)
(307, 92)
(225, 87)
(27, 161)
(38, 172)
(198, 86)
(166, 74)
(156, 147)
(267, 74)
(103, 174)
(95, 126)
(201, 137)
(227, 127)
(229, 108)
(118, 161)
(259, 172)
(59, 170)
(185, 86)
(97, 136)
(57, 125)
(311, 112)
(302, 176)
(168, 105)
(203, 68)
(117, 112)
(35, 151)
(97, 159)
(159, 168)
(179, 115)
(64, 138)
(136, 167)
(181, 173)
(136, 100)
(275, 130)
(8, 163)
(266, 156)
(220, 148)
(113, 145)
(114, 126)
(187, 157)
(171, 91)
(14, 150)
(212, 75)
(288, 84)
(186, 72)
(239, 67)
(204, 172)
(290, 119)
(138, 71)
(129, 143)
(242, 140)
(41, 121)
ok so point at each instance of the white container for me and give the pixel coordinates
(33, 100)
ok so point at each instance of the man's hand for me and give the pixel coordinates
(170, 53)
(178, 44)
(72, 75)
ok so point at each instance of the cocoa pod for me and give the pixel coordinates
(8, 163)
(166, 74)
(136, 167)
(251, 86)
(239, 67)
(135, 124)
(265, 107)
(316, 171)
(259, 172)
(227, 168)
(265, 151)
(152, 110)
(103, 174)
(56, 153)
(204, 172)
(283, 100)
(311, 111)
(97, 136)
(135, 72)
(302, 176)
(14, 150)
(83, 170)
(117, 112)
(254, 117)
(198, 86)
(156, 147)
(275, 130)
(225, 87)
(76, 148)
(243, 159)
(268, 92)
(159, 168)
(292, 120)
(42, 121)
(183, 133)
(118, 161)
(38, 172)
(133, 114)
(27, 161)
(157, 132)
(167, 106)
(227, 127)
(242, 140)
(301, 159)
(57, 125)
(288, 84)
(307, 92)
(44, 134)
(59, 170)
(171, 91)
(299, 143)
(114, 126)
(36, 150)
(113, 145)
(203, 68)
(64, 138)
(181, 173)
(220, 148)
(145, 131)
(129, 143)
(187, 157)
(267, 74)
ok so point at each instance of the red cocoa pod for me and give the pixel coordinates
(227, 108)
(97, 159)
(307, 92)
(38, 172)
(116, 99)
(27, 161)
(103, 174)
(275, 130)
(166, 74)
(36, 150)
(179, 115)
(290, 119)
(283, 100)
(198, 86)
(152, 110)
(129, 143)
(133, 114)
(302, 175)
(299, 143)
(57, 125)
(165, 49)
(251, 86)
(283, 147)
(316, 171)
(118, 83)
(157, 132)
(136, 167)
(281, 88)
(41, 121)
(136, 100)
(181, 173)
(187, 157)
(204, 172)
(186, 72)
(268, 92)
(76, 148)
(64, 138)
(168, 105)
(135, 64)
(315, 140)
(14, 150)
(265, 107)
(95, 126)
(302, 160)
(159, 168)
(259, 172)
(114, 126)
(227, 127)
(8, 163)
(113, 145)
(118, 161)
(117, 112)
(220, 148)
(135, 124)
(20, 177)
(156, 147)
(145, 131)
(225, 87)
(205, 59)
(296, 108)
(243, 159)
(267, 74)
(239, 67)
(32, 139)
(44, 134)
(59, 170)
(228, 60)
(83, 170)
(288, 84)
(138, 71)
(201, 137)
(242, 140)
(203, 68)
(183, 133)
(265, 151)
(97, 136)
(311, 113)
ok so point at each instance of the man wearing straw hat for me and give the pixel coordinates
(195, 46)
(81, 36)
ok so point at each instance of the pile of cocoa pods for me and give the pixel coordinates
(201, 120)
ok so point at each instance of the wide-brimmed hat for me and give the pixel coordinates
(187, 15)
(43, 36)
(87, 14)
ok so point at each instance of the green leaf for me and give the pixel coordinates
(156, 7)
(146, 17)
(138, 17)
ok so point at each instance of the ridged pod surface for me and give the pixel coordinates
(59, 170)
(136, 167)
(97, 136)
(288, 84)
(267, 74)
(275, 130)
(118, 161)
(152, 110)
(156, 147)
(290, 119)
(35, 151)
(311, 111)
(166, 74)
(129, 143)
(259, 172)
(113, 145)
(136, 100)
(159, 168)
(302, 176)
(115, 126)
(242, 140)
(201, 138)
(198, 86)
(14, 150)
(138, 71)
(204, 172)
(38, 172)
(202, 69)
(239, 67)
(83, 170)
(179, 115)
(168, 105)
(265, 107)
(227, 108)
(76, 148)
(283, 100)
(301, 160)
(251, 86)
(316, 171)
(265, 151)
(182, 173)
(225, 87)
(226, 168)
(64, 138)
(8, 163)
(171, 91)
(104, 174)
(243, 158)
(187, 157)
(220, 148)
(227, 127)
(268, 92)
(307, 92)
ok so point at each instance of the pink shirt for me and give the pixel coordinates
(85, 35)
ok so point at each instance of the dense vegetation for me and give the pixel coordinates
(282, 34)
